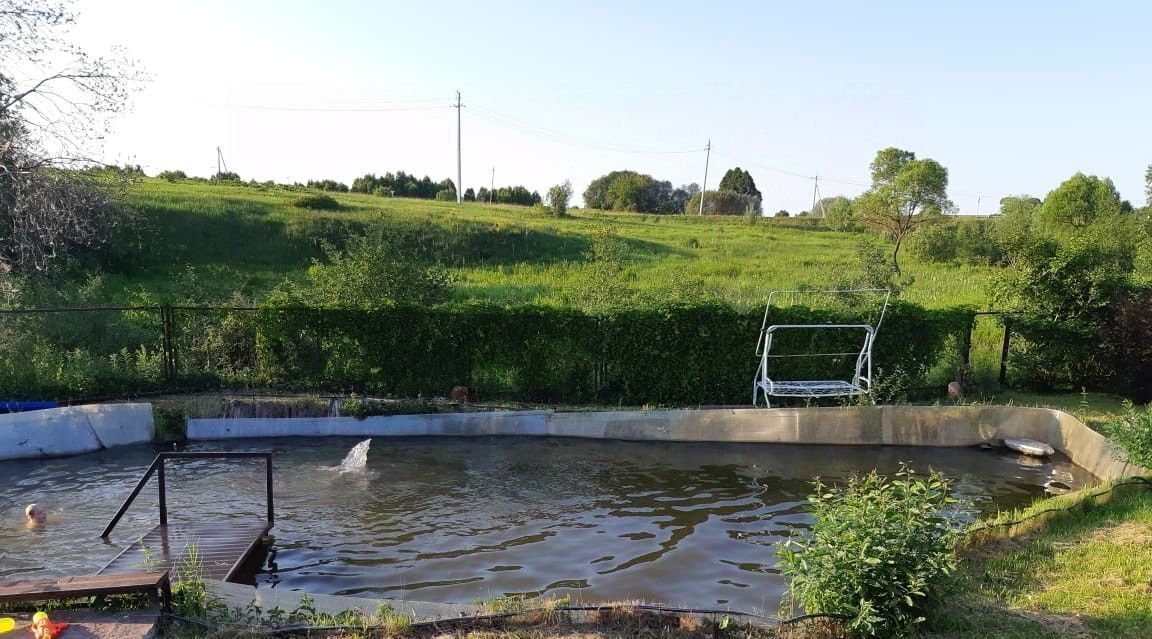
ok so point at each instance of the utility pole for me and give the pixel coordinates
(492, 187)
(704, 186)
(220, 161)
(977, 205)
(459, 178)
(816, 199)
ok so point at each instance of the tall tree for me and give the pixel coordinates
(906, 193)
(632, 191)
(1148, 187)
(738, 180)
(1077, 203)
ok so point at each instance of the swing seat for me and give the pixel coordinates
(814, 388)
(860, 382)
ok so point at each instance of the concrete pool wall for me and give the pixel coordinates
(866, 426)
(81, 429)
(72, 430)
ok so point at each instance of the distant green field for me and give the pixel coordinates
(209, 241)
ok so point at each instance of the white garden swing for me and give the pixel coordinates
(860, 382)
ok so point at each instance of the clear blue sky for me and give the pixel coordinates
(1012, 97)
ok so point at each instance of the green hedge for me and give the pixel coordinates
(673, 355)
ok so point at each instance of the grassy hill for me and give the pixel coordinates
(204, 241)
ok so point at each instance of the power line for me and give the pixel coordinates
(599, 145)
(431, 104)
(766, 167)
(262, 107)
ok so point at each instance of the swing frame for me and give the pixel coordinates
(862, 379)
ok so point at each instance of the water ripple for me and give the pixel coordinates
(456, 520)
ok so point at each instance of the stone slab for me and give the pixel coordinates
(54, 432)
(72, 430)
(120, 424)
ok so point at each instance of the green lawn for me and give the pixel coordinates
(1086, 574)
(213, 240)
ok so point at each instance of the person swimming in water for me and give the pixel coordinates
(36, 515)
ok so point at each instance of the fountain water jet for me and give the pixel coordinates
(356, 458)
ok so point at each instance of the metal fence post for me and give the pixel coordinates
(966, 347)
(169, 344)
(1004, 354)
(163, 492)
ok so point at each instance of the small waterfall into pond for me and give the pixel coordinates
(356, 458)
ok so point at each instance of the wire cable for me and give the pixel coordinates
(599, 145)
(301, 628)
(263, 107)
(1132, 481)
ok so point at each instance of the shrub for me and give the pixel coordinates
(173, 176)
(873, 268)
(318, 203)
(724, 203)
(1126, 345)
(934, 243)
(171, 425)
(1061, 296)
(976, 243)
(362, 408)
(226, 177)
(881, 551)
(327, 185)
(838, 214)
(445, 195)
(1133, 433)
(558, 197)
(372, 271)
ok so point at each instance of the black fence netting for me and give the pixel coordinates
(678, 354)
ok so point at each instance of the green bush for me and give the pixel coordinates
(679, 353)
(881, 551)
(1062, 296)
(1133, 433)
(724, 203)
(558, 197)
(934, 243)
(361, 407)
(318, 203)
(171, 425)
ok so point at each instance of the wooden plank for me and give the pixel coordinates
(152, 583)
(221, 548)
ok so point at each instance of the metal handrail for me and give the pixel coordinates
(157, 468)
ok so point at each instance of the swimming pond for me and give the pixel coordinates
(461, 519)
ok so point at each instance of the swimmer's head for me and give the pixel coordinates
(35, 513)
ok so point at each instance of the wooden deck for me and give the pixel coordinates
(222, 549)
(156, 585)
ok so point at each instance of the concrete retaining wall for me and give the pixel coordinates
(73, 430)
(868, 426)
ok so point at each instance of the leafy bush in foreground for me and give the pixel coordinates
(1133, 433)
(881, 552)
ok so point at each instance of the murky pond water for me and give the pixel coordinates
(457, 520)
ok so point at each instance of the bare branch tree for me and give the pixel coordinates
(56, 102)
